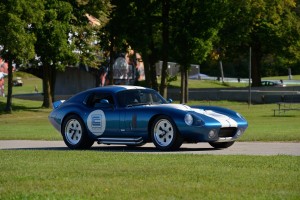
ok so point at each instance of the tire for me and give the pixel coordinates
(74, 133)
(165, 135)
(221, 145)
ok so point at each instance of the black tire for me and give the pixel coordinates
(74, 133)
(164, 134)
(221, 145)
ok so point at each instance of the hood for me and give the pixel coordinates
(223, 119)
(177, 106)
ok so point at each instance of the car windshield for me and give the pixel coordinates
(137, 97)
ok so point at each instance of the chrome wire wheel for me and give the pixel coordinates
(73, 131)
(163, 132)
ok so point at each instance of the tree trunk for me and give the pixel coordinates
(165, 39)
(52, 82)
(154, 84)
(256, 64)
(111, 61)
(221, 71)
(147, 72)
(152, 81)
(186, 88)
(47, 101)
(182, 90)
(163, 81)
(8, 107)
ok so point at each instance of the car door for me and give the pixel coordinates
(134, 115)
(103, 119)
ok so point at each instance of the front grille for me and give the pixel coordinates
(227, 132)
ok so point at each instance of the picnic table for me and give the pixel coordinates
(286, 106)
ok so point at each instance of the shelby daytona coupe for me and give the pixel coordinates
(133, 116)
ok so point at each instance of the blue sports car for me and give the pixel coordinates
(133, 116)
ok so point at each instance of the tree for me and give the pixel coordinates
(66, 37)
(136, 23)
(17, 19)
(194, 28)
(267, 26)
(88, 17)
(165, 47)
(53, 49)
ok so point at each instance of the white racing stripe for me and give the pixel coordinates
(223, 119)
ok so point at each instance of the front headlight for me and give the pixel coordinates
(188, 119)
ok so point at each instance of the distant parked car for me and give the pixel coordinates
(272, 83)
(199, 76)
(18, 81)
(133, 116)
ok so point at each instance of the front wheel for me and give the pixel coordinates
(164, 134)
(221, 145)
(74, 133)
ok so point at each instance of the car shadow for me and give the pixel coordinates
(146, 149)
(40, 148)
(121, 149)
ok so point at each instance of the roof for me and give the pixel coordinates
(117, 88)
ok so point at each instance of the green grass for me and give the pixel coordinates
(30, 121)
(294, 77)
(33, 174)
(194, 84)
(54, 174)
(27, 121)
(29, 83)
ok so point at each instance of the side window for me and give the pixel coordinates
(127, 97)
(156, 99)
(95, 99)
(121, 99)
(138, 97)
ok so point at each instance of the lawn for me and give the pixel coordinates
(94, 174)
(194, 84)
(29, 84)
(42, 174)
(30, 121)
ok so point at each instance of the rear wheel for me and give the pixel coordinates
(164, 134)
(221, 145)
(74, 133)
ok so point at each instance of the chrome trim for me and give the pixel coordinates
(133, 141)
(226, 139)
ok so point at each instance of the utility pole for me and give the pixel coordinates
(249, 103)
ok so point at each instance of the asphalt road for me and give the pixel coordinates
(239, 148)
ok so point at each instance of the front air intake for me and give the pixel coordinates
(227, 132)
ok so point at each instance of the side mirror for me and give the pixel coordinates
(170, 100)
(104, 101)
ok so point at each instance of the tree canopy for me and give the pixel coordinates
(60, 33)
(17, 19)
(269, 27)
